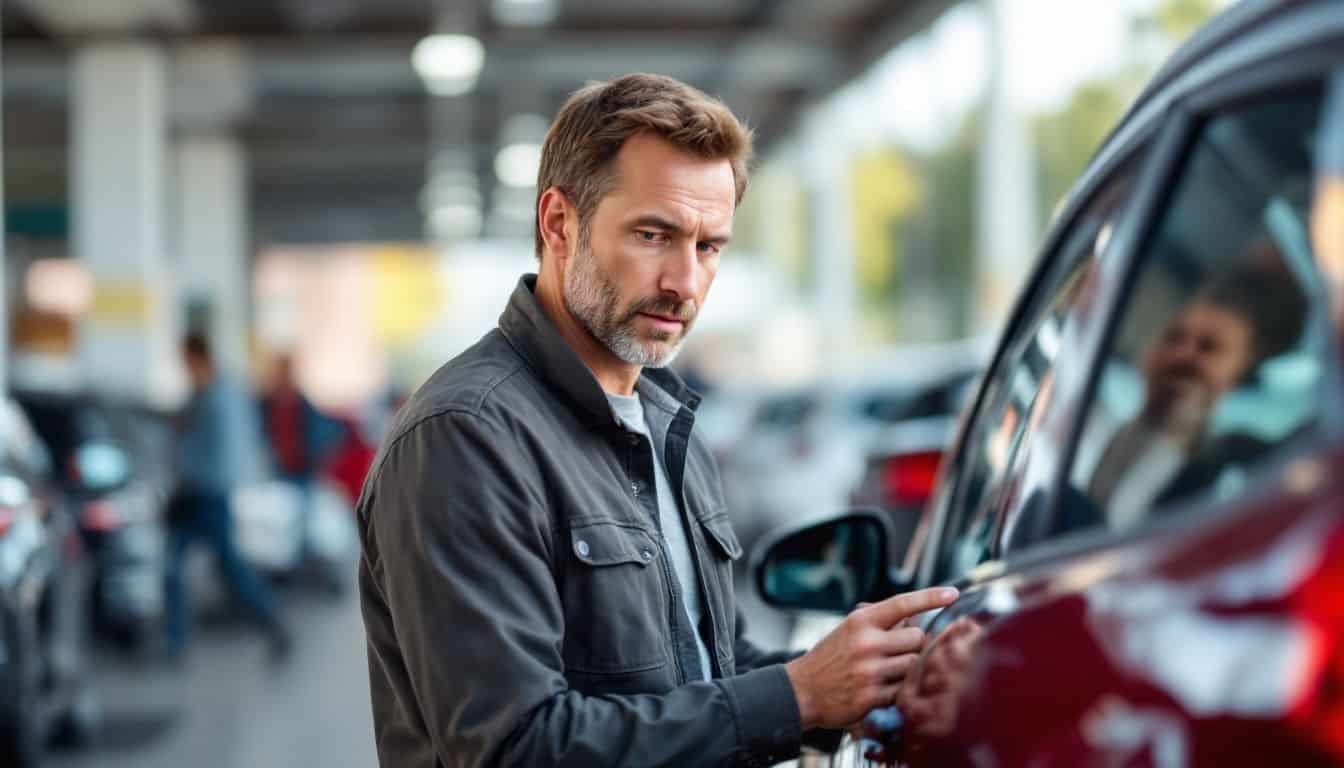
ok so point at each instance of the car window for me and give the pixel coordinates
(945, 399)
(786, 411)
(1217, 358)
(1003, 433)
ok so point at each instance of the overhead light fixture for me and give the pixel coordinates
(59, 286)
(452, 186)
(524, 13)
(449, 65)
(516, 165)
(455, 220)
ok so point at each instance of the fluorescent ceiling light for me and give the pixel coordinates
(448, 64)
(59, 286)
(455, 220)
(516, 165)
(450, 188)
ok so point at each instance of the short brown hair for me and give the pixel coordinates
(596, 121)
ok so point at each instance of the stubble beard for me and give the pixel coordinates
(594, 301)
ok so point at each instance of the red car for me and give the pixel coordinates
(1144, 506)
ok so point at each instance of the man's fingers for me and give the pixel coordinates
(902, 640)
(893, 610)
(896, 668)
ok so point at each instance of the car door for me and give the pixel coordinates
(1139, 532)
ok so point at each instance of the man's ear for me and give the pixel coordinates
(557, 219)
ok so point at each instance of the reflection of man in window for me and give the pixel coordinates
(1210, 346)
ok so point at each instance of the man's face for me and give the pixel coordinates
(1203, 352)
(650, 251)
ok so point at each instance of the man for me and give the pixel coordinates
(299, 435)
(547, 565)
(1209, 347)
(217, 434)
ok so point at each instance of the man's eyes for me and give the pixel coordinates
(654, 237)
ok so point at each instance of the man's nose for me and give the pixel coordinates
(681, 272)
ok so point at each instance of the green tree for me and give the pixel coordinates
(1178, 19)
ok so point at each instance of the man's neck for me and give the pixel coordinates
(613, 374)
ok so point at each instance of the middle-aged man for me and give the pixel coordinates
(547, 566)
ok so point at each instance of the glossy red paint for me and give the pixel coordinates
(1217, 643)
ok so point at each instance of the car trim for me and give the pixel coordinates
(1045, 263)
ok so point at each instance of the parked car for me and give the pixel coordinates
(903, 459)
(116, 473)
(1144, 508)
(288, 536)
(805, 450)
(45, 685)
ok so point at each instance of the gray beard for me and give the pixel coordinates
(594, 302)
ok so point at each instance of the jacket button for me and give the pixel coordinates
(634, 439)
(581, 547)
(647, 554)
(636, 487)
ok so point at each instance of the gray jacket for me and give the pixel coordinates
(518, 598)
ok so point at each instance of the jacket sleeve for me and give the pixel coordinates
(749, 657)
(460, 536)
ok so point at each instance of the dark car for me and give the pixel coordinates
(902, 460)
(115, 473)
(1144, 507)
(45, 687)
(805, 449)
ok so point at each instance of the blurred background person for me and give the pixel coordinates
(218, 432)
(301, 439)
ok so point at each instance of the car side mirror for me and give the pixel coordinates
(830, 566)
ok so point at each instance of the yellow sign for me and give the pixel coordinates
(120, 304)
(407, 292)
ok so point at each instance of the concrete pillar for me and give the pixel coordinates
(128, 344)
(211, 90)
(1005, 210)
(213, 241)
(832, 237)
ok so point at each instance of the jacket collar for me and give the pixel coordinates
(536, 339)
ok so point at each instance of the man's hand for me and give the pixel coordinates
(859, 666)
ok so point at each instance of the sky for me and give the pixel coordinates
(923, 88)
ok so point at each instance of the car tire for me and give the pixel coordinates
(80, 725)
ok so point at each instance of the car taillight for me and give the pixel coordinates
(908, 479)
(101, 516)
(1319, 708)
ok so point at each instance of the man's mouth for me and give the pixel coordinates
(666, 322)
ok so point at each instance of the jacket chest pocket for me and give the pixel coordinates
(723, 550)
(616, 605)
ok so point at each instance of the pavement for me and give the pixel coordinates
(225, 706)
